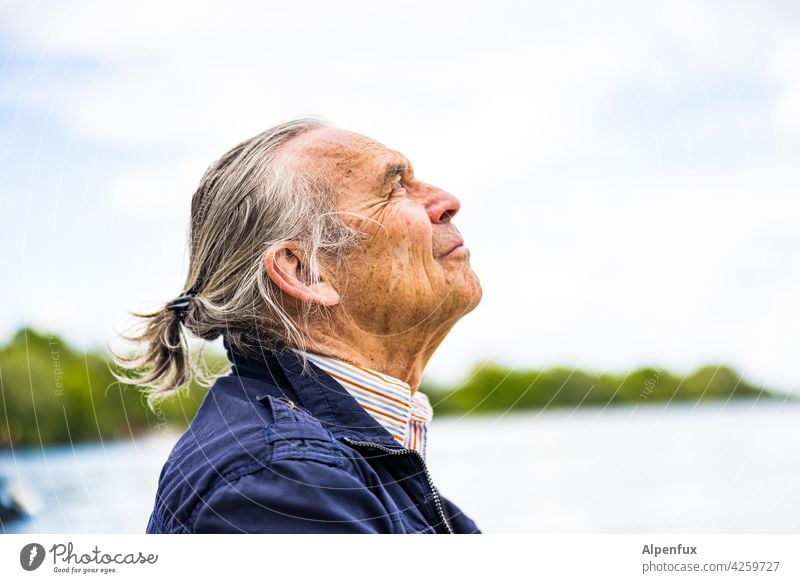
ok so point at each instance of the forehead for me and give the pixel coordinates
(340, 155)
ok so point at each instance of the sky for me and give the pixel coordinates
(627, 171)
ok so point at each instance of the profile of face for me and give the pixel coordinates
(413, 270)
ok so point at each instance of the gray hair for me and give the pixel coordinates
(247, 201)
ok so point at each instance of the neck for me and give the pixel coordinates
(403, 356)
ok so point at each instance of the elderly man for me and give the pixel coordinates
(332, 274)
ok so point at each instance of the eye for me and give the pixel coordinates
(398, 186)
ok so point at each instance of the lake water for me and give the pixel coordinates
(710, 467)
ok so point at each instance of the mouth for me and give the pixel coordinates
(457, 245)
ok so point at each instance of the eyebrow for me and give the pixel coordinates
(393, 169)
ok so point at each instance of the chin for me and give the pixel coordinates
(466, 296)
(477, 294)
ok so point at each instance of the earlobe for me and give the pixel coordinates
(325, 293)
(285, 266)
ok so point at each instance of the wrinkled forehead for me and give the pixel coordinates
(341, 156)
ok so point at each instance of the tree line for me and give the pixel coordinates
(51, 393)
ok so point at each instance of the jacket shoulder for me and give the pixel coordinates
(293, 495)
(243, 427)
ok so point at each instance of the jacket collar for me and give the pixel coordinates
(281, 368)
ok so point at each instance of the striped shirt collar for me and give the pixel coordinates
(389, 400)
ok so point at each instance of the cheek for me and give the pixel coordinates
(410, 254)
(403, 234)
(398, 254)
(410, 272)
(410, 231)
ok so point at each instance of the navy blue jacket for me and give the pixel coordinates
(274, 450)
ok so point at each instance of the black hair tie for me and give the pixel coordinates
(181, 304)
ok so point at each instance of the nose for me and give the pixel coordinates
(441, 205)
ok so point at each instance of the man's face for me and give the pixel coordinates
(413, 269)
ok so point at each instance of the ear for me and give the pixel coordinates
(285, 266)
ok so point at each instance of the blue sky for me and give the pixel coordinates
(628, 172)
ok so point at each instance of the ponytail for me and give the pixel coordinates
(165, 365)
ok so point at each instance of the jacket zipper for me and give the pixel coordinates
(435, 492)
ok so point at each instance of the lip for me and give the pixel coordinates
(459, 243)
